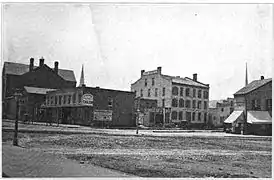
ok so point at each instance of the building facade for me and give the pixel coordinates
(253, 107)
(220, 111)
(91, 107)
(32, 81)
(186, 98)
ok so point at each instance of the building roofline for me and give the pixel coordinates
(239, 94)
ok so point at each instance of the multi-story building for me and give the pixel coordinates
(90, 106)
(253, 108)
(187, 98)
(33, 81)
(219, 111)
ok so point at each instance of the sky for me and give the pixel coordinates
(116, 41)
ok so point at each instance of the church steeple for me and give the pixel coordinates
(246, 80)
(82, 78)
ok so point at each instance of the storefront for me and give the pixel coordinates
(90, 106)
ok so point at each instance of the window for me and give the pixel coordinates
(74, 98)
(181, 91)
(164, 91)
(51, 100)
(156, 92)
(193, 116)
(79, 98)
(47, 100)
(256, 104)
(69, 99)
(153, 82)
(181, 115)
(145, 82)
(193, 104)
(199, 104)
(187, 91)
(205, 117)
(110, 102)
(56, 99)
(199, 93)
(175, 91)
(222, 109)
(205, 94)
(181, 103)
(60, 100)
(174, 102)
(187, 103)
(205, 105)
(199, 116)
(188, 116)
(269, 104)
(148, 93)
(141, 93)
(163, 102)
(65, 99)
(194, 92)
(174, 115)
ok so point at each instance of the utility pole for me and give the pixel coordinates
(15, 137)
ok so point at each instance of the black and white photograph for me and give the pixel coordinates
(136, 89)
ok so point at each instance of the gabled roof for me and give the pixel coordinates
(19, 69)
(36, 90)
(252, 86)
(188, 81)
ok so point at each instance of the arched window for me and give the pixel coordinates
(181, 103)
(174, 102)
(175, 90)
(174, 115)
(193, 116)
(199, 93)
(181, 91)
(187, 91)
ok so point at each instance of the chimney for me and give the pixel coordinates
(142, 72)
(56, 67)
(31, 62)
(159, 70)
(262, 77)
(195, 77)
(41, 63)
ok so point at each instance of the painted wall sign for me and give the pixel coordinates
(150, 72)
(87, 99)
(102, 115)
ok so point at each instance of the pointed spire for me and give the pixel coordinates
(82, 78)
(246, 80)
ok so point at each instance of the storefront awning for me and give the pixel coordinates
(36, 90)
(233, 117)
(258, 117)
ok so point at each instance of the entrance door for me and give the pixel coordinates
(159, 119)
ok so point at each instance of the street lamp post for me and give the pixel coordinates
(17, 94)
(137, 120)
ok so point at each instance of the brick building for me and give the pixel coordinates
(91, 106)
(33, 81)
(219, 111)
(253, 108)
(187, 98)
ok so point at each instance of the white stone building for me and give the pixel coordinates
(187, 98)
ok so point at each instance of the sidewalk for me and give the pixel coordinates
(21, 162)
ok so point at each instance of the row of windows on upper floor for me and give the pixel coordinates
(68, 99)
(175, 92)
(189, 116)
(187, 103)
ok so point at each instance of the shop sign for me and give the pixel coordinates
(102, 115)
(87, 99)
